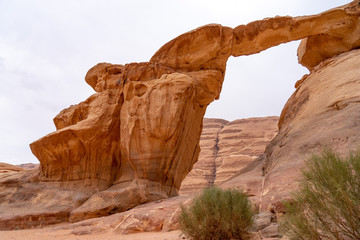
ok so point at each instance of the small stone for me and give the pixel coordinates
(271, 231)
(261, 221)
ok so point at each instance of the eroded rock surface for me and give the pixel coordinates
(135, 140)
(322, 112)
(28, 166)
(203, 173)
(6, 168)
(137, 137)
(226, 148)
(240, 142)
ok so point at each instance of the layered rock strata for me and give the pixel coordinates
(203, 173)
(240, 142)
(137, 137)
(6, 168)
(226, 148)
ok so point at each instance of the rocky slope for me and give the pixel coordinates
(226, 148)
(8, 169)
(28, 166)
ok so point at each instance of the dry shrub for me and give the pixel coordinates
(217, 214)
(327, 204)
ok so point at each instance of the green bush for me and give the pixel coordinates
(217, 214)
(327, 204)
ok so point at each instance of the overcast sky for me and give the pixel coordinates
(46, 48)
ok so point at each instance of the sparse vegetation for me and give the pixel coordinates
(327, 204)
(217, 214)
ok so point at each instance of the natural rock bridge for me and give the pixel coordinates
(137, 137)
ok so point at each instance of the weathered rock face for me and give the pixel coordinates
(240, 142)
(25, 203)
(161, 215)
(145, 120)
(8, 168)
(203, 173)
(135, 140)
(186, 52)
(322, 112)
(136, 126)
(28, 166)
(332, 41)
(226, 148)
(139, 134)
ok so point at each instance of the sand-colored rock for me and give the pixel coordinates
(203, 173)
(49, 233)
(8, 168)
(28, 166)
(135, 140)
(340, 23)
(322, 112)
(226, 148)
(316, 48)
(138, 136)
(240, 142)
(161, 215)
(27, 203)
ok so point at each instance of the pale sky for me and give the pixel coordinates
(46, 48)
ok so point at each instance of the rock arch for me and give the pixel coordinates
(136, 139)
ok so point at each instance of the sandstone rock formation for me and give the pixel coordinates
(186, 52)
(154, 220)
(8, 168)
(322, 112)
(241, 142)
(226, 148)
(203, 173)
(135, 140)
(148, 217)
(28, 166)
(27, 203)
(156, 216)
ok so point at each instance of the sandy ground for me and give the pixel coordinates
(50, 234)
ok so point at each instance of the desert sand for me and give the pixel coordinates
(50, 234)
